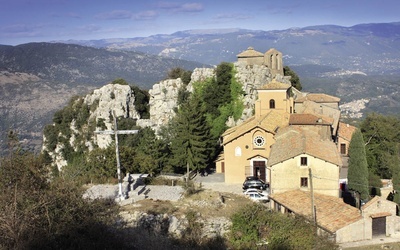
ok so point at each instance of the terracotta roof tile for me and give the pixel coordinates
(331, 212)
(318, 98)
(250, 52)
(295, 140)
(328, 113)
(274, 84)
(308, 119)
(346, 131)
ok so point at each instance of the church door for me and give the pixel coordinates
(259, 170)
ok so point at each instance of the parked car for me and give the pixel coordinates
(251, 178)
(255, 183)
(258, 197)
(252, 190)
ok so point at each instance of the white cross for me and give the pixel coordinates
(117, 132)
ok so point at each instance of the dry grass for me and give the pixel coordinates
(391, 246)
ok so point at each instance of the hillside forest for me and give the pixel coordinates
(40, 202)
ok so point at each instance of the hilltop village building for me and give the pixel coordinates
(295, 136)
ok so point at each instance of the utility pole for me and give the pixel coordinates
(187, 173)
(117, 132)
(313, 212)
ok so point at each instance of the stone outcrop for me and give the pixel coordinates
(164, 95)
(175, 226)
(111, 98)
(164, 98)
(163, 103)
(103, 102)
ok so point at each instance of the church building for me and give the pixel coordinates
(290, 133)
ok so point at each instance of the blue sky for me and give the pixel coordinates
(23, 21)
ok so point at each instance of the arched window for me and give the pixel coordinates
(238, 151)
(272, 104)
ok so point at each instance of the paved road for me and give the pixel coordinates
(216, 181)
(380, 242)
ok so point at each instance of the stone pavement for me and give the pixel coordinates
(216, 182)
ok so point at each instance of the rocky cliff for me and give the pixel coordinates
(164, 95)
(163, 101)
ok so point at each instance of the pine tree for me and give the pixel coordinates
(150, 152)
(192, 141)
(358, 166)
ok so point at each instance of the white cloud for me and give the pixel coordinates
(146, 15)
(115, 14)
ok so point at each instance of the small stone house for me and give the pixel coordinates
(342, 222)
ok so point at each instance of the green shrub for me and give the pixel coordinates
(254, 225)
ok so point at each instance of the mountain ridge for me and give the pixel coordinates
(77, 64)
(360, 47)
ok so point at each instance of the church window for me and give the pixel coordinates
(272, 104)
(238, 151)
(259, 141)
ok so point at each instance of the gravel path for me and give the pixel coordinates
(223, 187)
(101, 191)
(173, 193)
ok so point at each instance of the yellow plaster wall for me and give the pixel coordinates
(218, 166)
(282, 101)
(286, 176)
(235, 166)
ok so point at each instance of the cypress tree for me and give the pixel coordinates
(396, 177)
(358, 166)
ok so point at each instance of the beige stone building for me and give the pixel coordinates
(294, 140)
(247, 146)
(271, 59)
(301, 152)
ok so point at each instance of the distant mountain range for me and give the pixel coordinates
(37, 79)
(353, 63)
(370, 48)
(75, 64)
